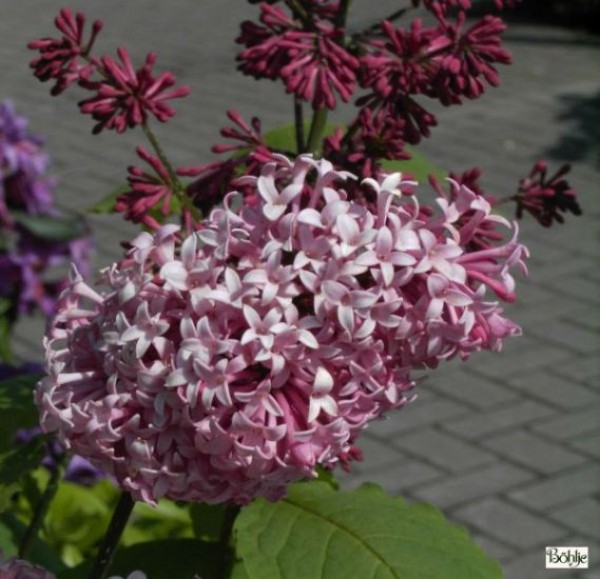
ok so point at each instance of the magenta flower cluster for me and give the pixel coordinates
(123, 96)
(225, 365)
(26, 191)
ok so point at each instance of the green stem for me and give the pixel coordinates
(113, 534)
(316, 130)
(224, 545)
(342, 15)
(178, 188)
(42, 508)
(300, 13)
(376, 28)
(299, 122)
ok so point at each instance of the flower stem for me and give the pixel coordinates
(178, 188)
(375, 28)
(225, 549)
(111, 538)
(299, 122)
(42, 508)
(316, 130)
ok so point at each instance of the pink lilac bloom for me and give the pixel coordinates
(227, 365)
(465, 190)
(65, 59)
(14, 568)
(125, 97)
(546, 198)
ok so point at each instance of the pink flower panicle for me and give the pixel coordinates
(65, 59)
(227, 366)
(546, 198)
(312, 63)
(468, 58)
(125, 97)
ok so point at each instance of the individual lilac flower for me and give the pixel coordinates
(270, 338)
(546, 198)
(65, 59)
(125, 97)
(14, 568)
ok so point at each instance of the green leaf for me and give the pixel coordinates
(207, 521)
(17, 409)
(419, 166)
(317, 532)
(107, 204)
(77, 519)
(51, 228)
(12, 531)
(6, 355)
(169, 559)
(283, 138)
(15, 464)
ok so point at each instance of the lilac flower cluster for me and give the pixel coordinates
(225, 365)
(25, 189)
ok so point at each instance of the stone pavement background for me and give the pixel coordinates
(507, 444)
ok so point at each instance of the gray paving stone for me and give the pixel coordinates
(491, 480)
(588, 444)
(395, 478)
(580, 368)
(494, 548)
(509, 524)
(443, 450)
(508, 416)
(532, 565)
(567, 335)
(559, 489)
(554, 389)
(473, 389)
(570, 425)
(534, 452)
(582, 516)
(428, 408)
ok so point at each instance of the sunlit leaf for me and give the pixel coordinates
(318, 532)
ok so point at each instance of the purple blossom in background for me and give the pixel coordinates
(30, 266)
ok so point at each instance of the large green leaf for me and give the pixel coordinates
(419, 166)
(17, 409)
(51, 228)
(169, 559)
(107, 204)
(317, 532)
(16, 464)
